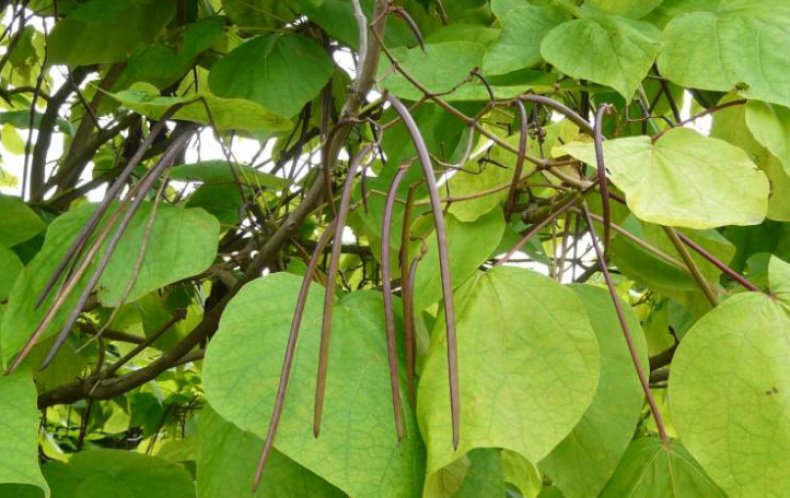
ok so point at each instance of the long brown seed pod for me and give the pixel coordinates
(444, 263)
(386, 287)
(329, 295)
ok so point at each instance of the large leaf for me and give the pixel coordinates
(684, 179)
(117, 473)
(651, 470)
(204, 107)
(18, 437)
(226, 458)
(469, 245)
(101, 31)
(162, 64)
(582, 464)
(10, 266)
(478, 473)
(265, 13)
(628, 8)
(779, 203)
(736, 44)
(471, 183)
(182, 243)
(223, 172)
(518, 47)
(444, 66)
(357, 451)
(18, 222)
(770, 125)
(665, 274)
(485, 477)
(735, 362)
(611, 50)
(279, 72)
(528, 366)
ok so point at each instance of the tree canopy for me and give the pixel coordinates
(394, 248)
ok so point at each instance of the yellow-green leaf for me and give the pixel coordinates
(684, 179)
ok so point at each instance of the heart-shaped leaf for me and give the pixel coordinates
(735, 361)
(684, 179)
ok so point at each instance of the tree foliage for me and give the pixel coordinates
(412, 248)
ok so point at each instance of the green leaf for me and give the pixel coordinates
(469, 245)
(21, 121)
(522, 474)
(182, 243)
(205, 108)
(739, 125)
(164, 63)
(736, 44)
(226, 458)
(123, 474)
(779, 203)
(643, 266)
(357, 451)
(684, 179)
(486, 475)
(223, 172)
(518, 46)
(610, 50)
(19, 436)
(478, 473)
(279, 72)
(18, 223)
(10, 267)
(104, 31)
(651, 470)
(445, 66)
(264, 13)
(627, 8)
(582, 463)
(224, 201)
(770, 126)
(440, 68)
(528, 366)
(666, 274)
(735, 362)
(464, 183)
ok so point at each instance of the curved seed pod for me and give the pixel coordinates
(522, 150)
(598, 141)
(285, 373)
(444, 262)
(329, 296)
(407, 292)
(643, 379)
(386, 287)
(73, 279)
(79, 243)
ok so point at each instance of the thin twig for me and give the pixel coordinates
(537, 228)
(710, 295)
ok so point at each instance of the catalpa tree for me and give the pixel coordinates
(412, 248)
